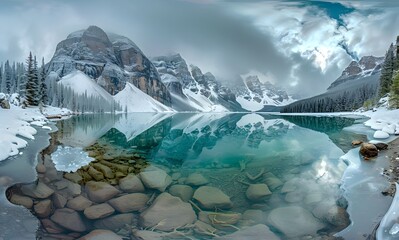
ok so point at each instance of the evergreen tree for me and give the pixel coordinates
(394, 97)
(387, 72)
(32, 82)
(7, 77)
(43, 85)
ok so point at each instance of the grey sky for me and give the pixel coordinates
(296, 44)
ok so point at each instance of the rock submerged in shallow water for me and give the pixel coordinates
(272, 181)
(43, 208)
(184, 192)
(256, 192)
(115, 222)
(294, 221)
(51, 227)
(106, 171)
(211, 197)
(368, 150)
(96, 175)
(59, 200)
(219, 220)
(98, 211)
(21, 200)
(100, 234)
(100, 192)
(259, 231)
(79, 203)
(131, 184)
(167, 213)
(203, 228)
(356, 142)
(155, 178)
(40, 190)
(196, 179)
(129, 202)
(69, 219)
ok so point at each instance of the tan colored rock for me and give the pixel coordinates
(59, 201)
(21, 200)
(73, 177)
(69, 219)
(184, 192)
(114, 222)
(51, 227)
(256, 192)
(79, 203)
(131, 184)
(129, 202)
(106, 171)
(40, 168)
(100, 234)
(171, 211)
(96, 175)
(98, 211)
(155, 178)
(100, 192)
(211, 197)
(39, 190)
(43, 208)
(196, 179)
(259, 231)
(368, 150)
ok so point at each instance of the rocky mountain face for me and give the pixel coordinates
(367, 66)
(191, 89)
(358, 83)
(110, 59)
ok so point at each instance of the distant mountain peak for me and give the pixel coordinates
(366, 66)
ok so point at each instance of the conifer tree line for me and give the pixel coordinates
(389, 80)
(36, 87)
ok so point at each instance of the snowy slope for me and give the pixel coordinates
(80, 83)
(202, 103)
(135, 100)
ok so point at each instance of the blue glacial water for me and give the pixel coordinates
(191, 176)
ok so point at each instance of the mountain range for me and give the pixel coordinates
(113, 67)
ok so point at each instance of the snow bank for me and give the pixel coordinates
(385, 122)
(15, 129)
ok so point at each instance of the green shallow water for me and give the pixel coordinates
(296, 157)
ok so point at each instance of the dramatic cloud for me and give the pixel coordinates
(301, 45)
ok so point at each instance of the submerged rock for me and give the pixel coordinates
(21, 200)
(259, 231)
(184, 192)
(100, 234)
(196, 179)
(79, 203)
(98, 211)
(69, 219)
(115, 222)
(203, 228)
(130, 202)
(167, 213)
(131, 184)
(294, 221)
(43, 208)
(368, 150)
(256, 192)
(51, 227)
(100, 192)
(211, 197)
(59, 201)
(40, 190)
(156, 178)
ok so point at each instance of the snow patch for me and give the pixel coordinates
(69, 159)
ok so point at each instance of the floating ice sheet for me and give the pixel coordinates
(69, 159)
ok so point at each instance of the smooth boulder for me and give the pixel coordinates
(196, 179)
(98, 211)
(256, 192)
(100, 191)
(79, 203)
(100, 234)
(184, 192)
(155, 178)
(259, 231)
(211, 197)
(69, 219)
(131, 184)
(168, 213)
(368, 150)
(129, 202)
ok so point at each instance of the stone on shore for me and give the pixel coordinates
(98, 211)
(259, 231)
(100, 234)
(368, 150)
(211, 197)
(129, 202)
(196, 179)
(167, 213)
(256, 192)
(59, 201)
(100, 192)
(294, 221)
(79, 203)
(155, 178)
(184, 192)
(131, 184)
(69, 219)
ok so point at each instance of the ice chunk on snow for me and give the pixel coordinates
(390, 129)
(69, 159)
(381, 135)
